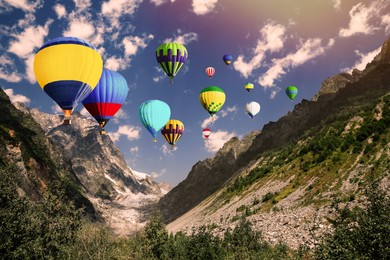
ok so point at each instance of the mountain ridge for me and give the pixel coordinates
(275, 135)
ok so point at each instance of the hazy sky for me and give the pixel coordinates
(274, 44)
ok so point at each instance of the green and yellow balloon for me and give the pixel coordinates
(212, 99)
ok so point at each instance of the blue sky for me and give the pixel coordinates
(274, 44)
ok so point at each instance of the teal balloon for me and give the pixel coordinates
(154, 114)
(291, 92)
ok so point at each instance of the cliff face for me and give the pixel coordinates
(26, 152)
(121, 197)
(337, 93)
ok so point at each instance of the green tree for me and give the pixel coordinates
(360, 233)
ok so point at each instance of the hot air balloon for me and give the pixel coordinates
(173, 131)
(107, 97)
(210, 71)
(292, 92)
(227, 58)
(206, 133)
(249, 86)
(212, 99)
(171, 56)
(154, 114)
(68, 69)
(252, 108)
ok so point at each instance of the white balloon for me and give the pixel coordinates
(252, 108)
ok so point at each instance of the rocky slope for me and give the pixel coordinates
(275, 190)
(28, 154)
(99, 169)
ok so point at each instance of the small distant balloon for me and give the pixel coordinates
(227, 58)
(206, 133)
(292, 92)
(210, 71)
(249, 87)
(252, 108)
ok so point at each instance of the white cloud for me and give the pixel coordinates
(8, 70)
(364, 59)
(155, 175)
(29, 62)
(202, 7)
(223, 113)
(56, 109)
(80, 27)
(27, 6)
(360, 18)
(385, 20)
(160, 2)
(336, 4)
(82, 5)
(115, 63)
(113, 9)
(310, 49)
(25, 42)
(274, 92)
(217, 139)
(167, 150)
(183, 38)
(121, 114)
(131, 45)
(228, 110)
(60, 10)
(134, 150)
(131, 132)
(272, 37)
(16, 97)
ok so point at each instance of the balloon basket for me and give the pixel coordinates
(67, 121)
(103, 132)
(154, 140)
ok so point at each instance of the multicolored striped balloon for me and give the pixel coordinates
(107, 97)
(210, 71)
(154, 114)
(68, 69)
(292, 92)
(171, 56)
(172, 131)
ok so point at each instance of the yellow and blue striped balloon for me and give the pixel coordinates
(68, 69)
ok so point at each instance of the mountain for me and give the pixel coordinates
(99, 171)
(34, 160)
(288, 174)
(121, 196)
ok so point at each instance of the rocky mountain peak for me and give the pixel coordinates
(339, 81)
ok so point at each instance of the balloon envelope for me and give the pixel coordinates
(227, 58)
(172, 131)
(107, 97)
(171, 56)
(292, 92)
(154, 114)
(212, 99)
(206, 133)
(210, 71)
(68, 69)
(252, 108)
(249, 86)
